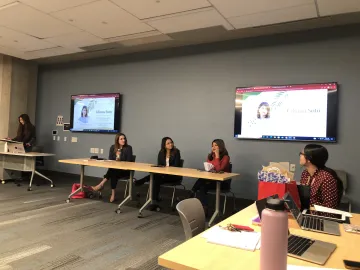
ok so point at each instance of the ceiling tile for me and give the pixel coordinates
(25, 19)
(153, 8)
(103, 19)
(274, 17)
(76, 40)
(50, 52)
(6, 2)
(332, 7)
(202, 18)
(12, 52)
(54, 5)
(20, 41)
(234, 8)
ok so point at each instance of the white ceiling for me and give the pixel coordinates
(32, 29)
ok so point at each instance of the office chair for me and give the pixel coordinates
(345, 201)
(192, 217)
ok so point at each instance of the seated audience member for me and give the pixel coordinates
(168, 156)
(220, 159)
(25, 132)
(325, 186)
(120, 151)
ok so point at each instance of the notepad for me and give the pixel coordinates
(330, 210)
(242, 240)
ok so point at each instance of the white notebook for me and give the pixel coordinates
(242, 240)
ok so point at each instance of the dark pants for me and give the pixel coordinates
(161, 179)
(202, 186)
(114, 175)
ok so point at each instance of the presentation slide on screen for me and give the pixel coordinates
(299, 113)
(94, 113)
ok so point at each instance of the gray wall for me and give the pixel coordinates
(190, 97)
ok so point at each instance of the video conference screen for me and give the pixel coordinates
(97, 113)
(302, 112)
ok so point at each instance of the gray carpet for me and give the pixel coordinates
(39, 230)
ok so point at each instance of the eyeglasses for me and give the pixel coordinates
(301, 154)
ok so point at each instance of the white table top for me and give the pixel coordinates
(28, 154)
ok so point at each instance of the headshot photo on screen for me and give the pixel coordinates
(84, 115)
(263, 111)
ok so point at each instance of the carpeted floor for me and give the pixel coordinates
(39, 230)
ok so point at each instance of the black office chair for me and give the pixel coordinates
(123, 180)
(225, 193)
(173, 186)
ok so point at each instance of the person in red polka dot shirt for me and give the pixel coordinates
(325, 186)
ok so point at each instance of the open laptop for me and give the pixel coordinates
(304, 248)
(17, 148)
(311, 223)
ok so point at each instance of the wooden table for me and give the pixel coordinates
(196, 253)
(25, 162)
(145, 167)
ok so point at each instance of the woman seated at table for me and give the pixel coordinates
(326, 188)
(120, 151)
(168, 156)
(220, 159)
(25, 132)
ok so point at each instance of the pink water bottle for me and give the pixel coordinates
(274, 236)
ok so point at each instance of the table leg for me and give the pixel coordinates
(31, 179)
(129, 197)
(43, 176)
(149, 201)
(82, 169)
(217, 203)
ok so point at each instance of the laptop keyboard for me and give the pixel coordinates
(298, 245)
(314, 223)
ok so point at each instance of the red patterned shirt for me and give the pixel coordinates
(323, 189)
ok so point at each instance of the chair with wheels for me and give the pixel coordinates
(345, 203)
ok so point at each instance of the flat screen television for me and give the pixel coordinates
(95, 113)
(300, 112)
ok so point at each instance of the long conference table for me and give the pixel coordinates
(145, 167)
(196, 253)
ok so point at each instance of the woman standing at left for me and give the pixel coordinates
(25, 132)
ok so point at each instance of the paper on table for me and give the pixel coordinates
(330, 210)
(283, 165)
(208, 166)
(296, 267)
(242, 240)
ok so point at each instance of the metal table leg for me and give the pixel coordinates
(129, 197)
(217, 203)
(46, 178)
(82, 169)
(31, 179)
(149, 201)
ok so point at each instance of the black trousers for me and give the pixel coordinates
(114, 175)
(161, 179)
(202, 186)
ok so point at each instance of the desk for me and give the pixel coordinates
(25, 162)
(196, 253)
(145, 167)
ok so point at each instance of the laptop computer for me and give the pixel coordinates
(311, 223)
(17, 148)
(304, 248)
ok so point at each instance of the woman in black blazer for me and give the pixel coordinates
(169, 156)
(119, 151)
(25, 132)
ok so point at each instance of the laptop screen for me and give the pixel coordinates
(295, 211)
(261, 204)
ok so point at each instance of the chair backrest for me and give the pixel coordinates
(181, 163)
(133, 158)
(230, 167)
(343, 177)
(192, 217)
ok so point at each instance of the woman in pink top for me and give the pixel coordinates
(218, 157)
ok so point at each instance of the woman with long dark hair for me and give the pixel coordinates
(84, 114)
(119, 151)
(326, 188)
(25, 132)
(219, 158)
(169, 156)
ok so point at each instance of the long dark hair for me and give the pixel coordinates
(222, 149)
(173, 151)
(24, 129)
(117, 144)
(318, 156)
(264, 104)
(84, 107)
